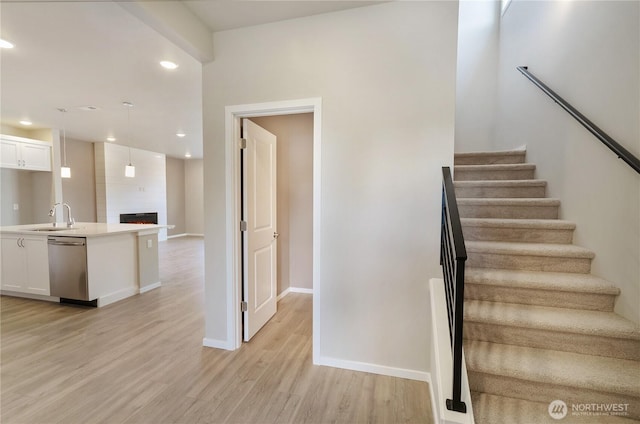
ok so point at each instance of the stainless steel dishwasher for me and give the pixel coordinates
(68, 267)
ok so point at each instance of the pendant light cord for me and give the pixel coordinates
(64, 145)
(129, 106)
(64, 137)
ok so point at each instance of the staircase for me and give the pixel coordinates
(538, 326)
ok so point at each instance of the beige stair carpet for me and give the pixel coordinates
(542, 342)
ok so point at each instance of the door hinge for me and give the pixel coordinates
(243, 225)
(243, 306)
(243, 143)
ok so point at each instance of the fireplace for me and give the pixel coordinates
(139, 218)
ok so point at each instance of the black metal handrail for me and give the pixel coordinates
(622, 153)
(453, 256)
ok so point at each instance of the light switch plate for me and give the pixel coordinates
(16, 206)
(149, 244)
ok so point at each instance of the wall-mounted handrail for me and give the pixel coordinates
(622, 153)
(453, 255)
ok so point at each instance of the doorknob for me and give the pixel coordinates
(276, 235)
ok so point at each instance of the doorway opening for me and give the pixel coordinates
(233, 125)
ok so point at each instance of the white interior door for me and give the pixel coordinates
(260, 237)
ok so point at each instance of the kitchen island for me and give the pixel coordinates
(121, 259)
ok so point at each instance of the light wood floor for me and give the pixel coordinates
(141, 360)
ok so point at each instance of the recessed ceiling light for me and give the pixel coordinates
(4, 44)
(168, 64)
(187, 155)
(180, 134)
(89, 108)
(26, 123)
(111, 139)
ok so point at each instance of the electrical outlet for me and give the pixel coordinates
(149, 244)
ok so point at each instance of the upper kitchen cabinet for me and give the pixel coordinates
(24, 153)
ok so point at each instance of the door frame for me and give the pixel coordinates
(233, 118)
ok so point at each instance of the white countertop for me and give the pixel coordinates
(82, 229)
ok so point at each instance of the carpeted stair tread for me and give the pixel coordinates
(505, 156)
(495, 167)
(552, 224)
(618, 376)
(493, 409)
(516, 229)
(500, 171)
(605, 324)
(532, 202)
(501, 183)
(508, 207)
(557, 281)
(492, 188)
(529, 249)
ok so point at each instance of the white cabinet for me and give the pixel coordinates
(25, 264)
(24, 153)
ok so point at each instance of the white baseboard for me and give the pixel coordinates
(375, 369)
(115, 296)
(300, 290)
(217, 344)
(149, 287)
(283, 294)
(185, 235)
(294, 290)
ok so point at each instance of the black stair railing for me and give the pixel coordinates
(616, 147)
(453, 256)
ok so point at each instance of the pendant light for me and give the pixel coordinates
(65, 171)
(129, 170)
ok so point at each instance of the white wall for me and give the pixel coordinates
(15, 189)
(176, 204)
(386, 76)
(295, 197)
(79, 191)
(116, 194)
(477, 75)
(587, 52)
(194, 200)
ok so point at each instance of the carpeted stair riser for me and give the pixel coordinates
(500, 189)
(542, 375)
(508, 208)
(555, 340)
(506, 410)
(547, 391)
(490, 158)
(529, 263)
(521, 235)
(563, 290)
(493, 172)
(526, 296)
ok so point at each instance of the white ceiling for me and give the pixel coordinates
(75, 54)
(224, 15)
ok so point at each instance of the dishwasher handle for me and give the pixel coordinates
(66, 243)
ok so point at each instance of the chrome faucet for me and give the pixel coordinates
(70, 220)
